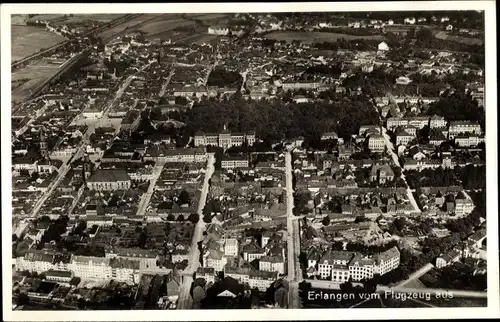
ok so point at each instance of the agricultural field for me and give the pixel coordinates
(314, 36)
(141, 23)
(199, 39)
(30, 77)
(206, 16)
(160, 27)
(464, 40)
(18, 20)
(76, 18)
(27, 40)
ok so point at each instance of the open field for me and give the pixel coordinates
(18, 20)
(159, 27)
(199, 39)
(149, 23)
(27, 40)
(28, 78)
(314, 36)
(206, 16)
(129, 24)
(464, 40)
(75, 18)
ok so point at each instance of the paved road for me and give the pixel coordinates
(27, 125)
(210, 69)
(75, 201)
(167, 81)
(293, 246)
(141, 209)
(185, 301)
(63, 170)
(416, 274)
(390, 148)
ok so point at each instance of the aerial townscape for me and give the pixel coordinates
(248, 161)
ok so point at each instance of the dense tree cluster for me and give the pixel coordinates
(457, 278)
(470, 177)
(458, 107)
(54, 231)
(332, 71)
(425, 39)
(352, 44)
(431, 178)
(274, 121)
(221, 77)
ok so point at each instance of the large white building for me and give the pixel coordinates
(376, 143)
(234, 162)
(231, 247)
(331, 258)
(467, 141)
(147, 259)
(463, 207)
(40, 261)
(125, 270)
(437, 122)
(90, 267)
(109, 180)
(383, 46)
(185, 155)
(462, 127)
(403, 137)
(225, 30)
(340, 266)
(259, 279)
(225, 139)
(416, 121)
(272, 264)
(216, 259)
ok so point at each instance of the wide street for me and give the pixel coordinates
(416, 274)
(390, 149)
(141, 210)
(63, 170)
(185, 300)
(293, 240)
(167, 81)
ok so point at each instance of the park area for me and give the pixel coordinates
(315, 36)
(27, 40)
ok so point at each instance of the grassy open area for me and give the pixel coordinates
(30, 77)
(315, 36)
(160, 27)
(464, 40)
(129, 25)
(75, 18)
(27, 40)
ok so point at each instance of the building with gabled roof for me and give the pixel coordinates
(109, 180)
